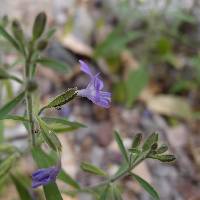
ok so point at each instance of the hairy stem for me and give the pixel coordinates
(29, 98)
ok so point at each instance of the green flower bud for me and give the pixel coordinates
(42, 44)
(17, 31)
(4, 21)
(39, 25)
(154, 146)
(31, 86)
(162, 149)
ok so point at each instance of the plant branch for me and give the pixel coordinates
(114, 178)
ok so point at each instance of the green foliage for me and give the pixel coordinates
(5, 75)
(121, 146)
(19, 35)
(105, 193)
(21, 187)
(39, 25)
(164, 158)
(151, 140)
(62, 124)
(52, 192)
(109, 48)
(7, 164)
(49, 136)
(136, 140)
(56, 65)
(135, 83)
(162, 149)
(119, 92)
(14, 117)
(144, 184)
(11, 104)
(8, 37)
(50, 33)
(87, 167)
(1, 132)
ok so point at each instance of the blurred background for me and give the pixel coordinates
(148, 53)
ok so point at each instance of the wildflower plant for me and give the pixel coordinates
(41, 129)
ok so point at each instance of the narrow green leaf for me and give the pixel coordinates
(50, 33)
(52, 192)
(49, 136)
(62, 125)
(21, 188)
(152, 139)
(14, 117)
(164, 158)
(12, 104)
(46, 160)
(19, 35)
(147, 187)
(4, 75)
(1, 132)
(137, 140)
(116, 194)
(87, 167)
(105, 195)
(56, 65)
(8, 37)
(134, 150)
(6, 164)
(62, 129)
(7, 148)
(121, 146)
(39, 25)
(63, 121)
(122, 168)
(162, 149)
(135, 83)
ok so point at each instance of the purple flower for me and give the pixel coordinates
(45, 176)
(94, 89)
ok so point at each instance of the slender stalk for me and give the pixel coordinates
(29, 98)
(114, 178)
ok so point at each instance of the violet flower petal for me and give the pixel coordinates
(85, 68)
(44, 176)
(93, 90)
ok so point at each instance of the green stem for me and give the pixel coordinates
(29, 98)
(29, 105)
(16, 79)
(41, 110)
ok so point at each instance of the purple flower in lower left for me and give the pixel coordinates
(45, 176)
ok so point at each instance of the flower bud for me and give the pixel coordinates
(31, 86)
(39, 25)
(42, 44)
(17, 31)
(154, 146)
